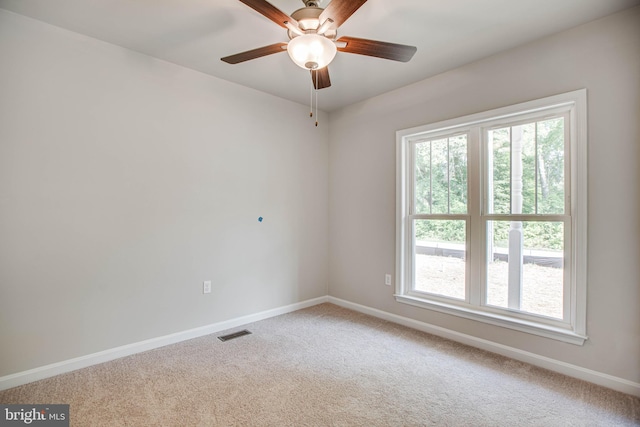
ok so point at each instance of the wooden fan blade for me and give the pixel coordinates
(270, 11)
(255, 53)
(321, 76)
(393, 51)
(340, 10)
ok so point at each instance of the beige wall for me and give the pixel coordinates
(126, 181)
(604, 58)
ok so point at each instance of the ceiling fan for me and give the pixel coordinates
(313, 41)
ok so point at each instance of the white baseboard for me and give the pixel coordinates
(21, 378)
(605, 380)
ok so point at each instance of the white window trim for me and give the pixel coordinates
(575, 331)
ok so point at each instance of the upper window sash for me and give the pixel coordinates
(531, 119)
(453, 143)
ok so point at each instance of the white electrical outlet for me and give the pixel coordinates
(387, 279)
(206, 287)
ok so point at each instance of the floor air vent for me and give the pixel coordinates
(234, 335)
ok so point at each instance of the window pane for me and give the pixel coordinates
(440, 176)
(550, 187)
(499, 168)
(439, 254)
(458, 174)
(536, 274)
(422, 174)
(523, 200)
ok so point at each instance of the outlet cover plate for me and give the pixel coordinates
(206, 287)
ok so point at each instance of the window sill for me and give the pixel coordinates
(529, 327)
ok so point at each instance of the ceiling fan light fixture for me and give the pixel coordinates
(311, 51)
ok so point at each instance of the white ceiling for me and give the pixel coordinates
(197, 33)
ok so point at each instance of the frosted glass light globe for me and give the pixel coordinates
(311, 51)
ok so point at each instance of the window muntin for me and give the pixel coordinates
(542, 144)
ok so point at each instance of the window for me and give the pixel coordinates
(491, 220)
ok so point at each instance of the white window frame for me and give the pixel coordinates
(572, 328)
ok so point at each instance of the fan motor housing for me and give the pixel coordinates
(309, 20)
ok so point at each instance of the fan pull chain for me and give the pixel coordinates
(311, 96)
(317, 98)
(311, 99)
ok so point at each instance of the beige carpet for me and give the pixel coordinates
(326, 366)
